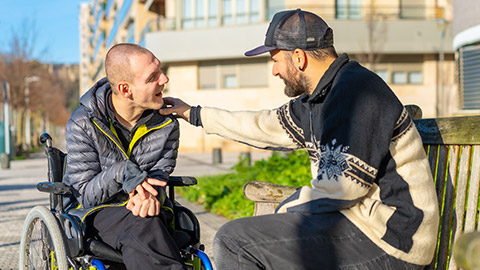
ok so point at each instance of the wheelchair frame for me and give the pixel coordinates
(53, 239)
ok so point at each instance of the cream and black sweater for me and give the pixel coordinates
(367, 158)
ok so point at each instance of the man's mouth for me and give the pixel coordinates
(158, 94)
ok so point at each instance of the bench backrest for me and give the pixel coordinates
(453, 150)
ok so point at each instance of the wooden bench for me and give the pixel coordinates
(453, 149)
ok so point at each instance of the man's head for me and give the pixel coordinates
(135, 74)
(295, 29)
(297, 35)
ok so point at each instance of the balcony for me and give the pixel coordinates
(119, 19)
(406, 30)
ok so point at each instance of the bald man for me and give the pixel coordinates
(120, 147)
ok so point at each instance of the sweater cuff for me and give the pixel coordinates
(132, 176)
(195, 118)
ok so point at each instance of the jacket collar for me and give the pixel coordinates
(323, 86)
(94, 100)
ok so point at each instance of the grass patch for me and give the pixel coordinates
(222, 194)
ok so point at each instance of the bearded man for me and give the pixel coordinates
(372, 202)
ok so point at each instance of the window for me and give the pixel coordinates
(348, 9)
(212, 12)
(468, 79)
(199, 13)
(404, 77)
(399, 77)
(409, 70)
(204, 13)
(415, 77)
(383, 74)
(230, 81)
(230, 74)
(207, 75)
(188, 9)
(227, 12)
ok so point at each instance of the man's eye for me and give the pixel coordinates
(151, 78)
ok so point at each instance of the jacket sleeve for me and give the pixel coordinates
(261, 129)
(168, 156)
(84, 172)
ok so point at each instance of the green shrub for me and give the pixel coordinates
(222, 194)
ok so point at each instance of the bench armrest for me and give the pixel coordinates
(267, 196)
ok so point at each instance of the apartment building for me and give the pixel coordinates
(201, 45)
(466, 42)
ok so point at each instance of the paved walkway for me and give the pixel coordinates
(18, 195)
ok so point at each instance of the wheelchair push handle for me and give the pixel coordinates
(45, 138)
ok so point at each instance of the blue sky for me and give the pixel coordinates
(52, 23)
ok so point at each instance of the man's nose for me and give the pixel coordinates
(274, 71)
(163, 79)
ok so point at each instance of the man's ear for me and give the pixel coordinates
(124, 89)
(299, 59)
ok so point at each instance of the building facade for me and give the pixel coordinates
(201, 44)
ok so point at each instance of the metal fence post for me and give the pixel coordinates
(217, 155)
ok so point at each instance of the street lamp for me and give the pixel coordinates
(28, 139)
(5, 157)
(442, 25)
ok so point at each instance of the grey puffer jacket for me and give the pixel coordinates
(99, 170)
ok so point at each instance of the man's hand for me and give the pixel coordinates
(177, 107)
(147, 187)
(143, 207)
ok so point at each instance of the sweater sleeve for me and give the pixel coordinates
(261, 129)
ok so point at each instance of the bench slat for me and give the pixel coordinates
(437, 157)
(461, 193)
(441, 172)
(446, 224)
(472, 204)
(451, 130)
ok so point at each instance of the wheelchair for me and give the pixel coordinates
(53, 239)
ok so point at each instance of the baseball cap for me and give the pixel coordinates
(295, 29)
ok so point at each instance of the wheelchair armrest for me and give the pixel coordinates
(57, 188)
(181, 181)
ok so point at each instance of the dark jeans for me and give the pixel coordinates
(299, 241)
(145, 243)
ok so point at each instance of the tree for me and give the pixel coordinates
(46, 98)
(377, 31)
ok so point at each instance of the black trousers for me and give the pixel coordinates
(299, 241)
(145, 243)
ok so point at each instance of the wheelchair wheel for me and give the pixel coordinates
(42, 244)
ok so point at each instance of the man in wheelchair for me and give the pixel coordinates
(121, 152)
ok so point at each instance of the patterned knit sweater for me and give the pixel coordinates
(367, 157)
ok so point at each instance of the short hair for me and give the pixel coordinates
(321, 54)
(117, 62)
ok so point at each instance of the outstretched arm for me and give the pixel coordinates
(262, 129)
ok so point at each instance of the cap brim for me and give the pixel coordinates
(259, 50)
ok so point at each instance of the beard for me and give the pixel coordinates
(296, 83)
